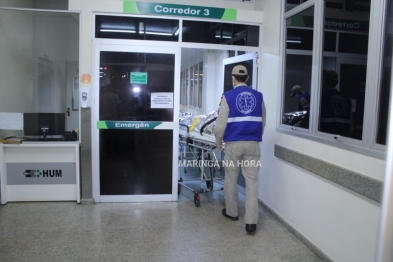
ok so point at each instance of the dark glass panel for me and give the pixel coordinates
(120, 99)
(329, 43)
(298, 70)
(297, 73)
(139, 28)
(136, 162)
(344, 78)
(220, 33)
(299, 39)
(353, 43)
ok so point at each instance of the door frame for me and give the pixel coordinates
(147, 47)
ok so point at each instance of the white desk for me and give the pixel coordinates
(46, 171)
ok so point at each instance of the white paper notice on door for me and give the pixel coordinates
(161, 100)
(11, 121)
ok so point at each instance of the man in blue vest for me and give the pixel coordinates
(304, 103)
(336, 107)
(239, 124)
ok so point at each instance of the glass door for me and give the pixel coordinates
(136, 91)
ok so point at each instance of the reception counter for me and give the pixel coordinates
(34, 171)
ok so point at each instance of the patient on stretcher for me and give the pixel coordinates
(203, 124)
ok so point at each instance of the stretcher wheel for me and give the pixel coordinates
(197, 200)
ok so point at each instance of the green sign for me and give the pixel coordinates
(138, 78)
(178, 10)
(127, 124)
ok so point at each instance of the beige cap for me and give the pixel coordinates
(240, 70)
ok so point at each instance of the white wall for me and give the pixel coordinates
(25, 36)
(341, 223)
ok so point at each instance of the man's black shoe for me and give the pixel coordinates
(250, 228)
(224, 213)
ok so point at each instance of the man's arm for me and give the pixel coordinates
(221, 122)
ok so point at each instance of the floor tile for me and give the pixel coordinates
(143, 232)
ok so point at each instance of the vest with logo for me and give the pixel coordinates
(335, 113)
(245, 115)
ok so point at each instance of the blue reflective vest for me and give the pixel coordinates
(335, 113)
(245, 115)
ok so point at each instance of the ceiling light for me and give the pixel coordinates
(118, 31)
(224, 36)
(157, 33)
(294, 41)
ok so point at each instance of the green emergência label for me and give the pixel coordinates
(128, 124)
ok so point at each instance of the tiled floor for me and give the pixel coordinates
(155, 231)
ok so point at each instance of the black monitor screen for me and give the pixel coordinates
(36, 124)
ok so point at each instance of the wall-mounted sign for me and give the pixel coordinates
(40, 173)
(161, 100)
(138, 78)
(11, 121)
(178, 10)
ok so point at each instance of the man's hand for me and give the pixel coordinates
(219, 147)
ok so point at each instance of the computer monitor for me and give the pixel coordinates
(44, 124)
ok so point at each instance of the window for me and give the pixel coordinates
(220, 33)
(39, 65)
(329, 55)
(162, 29)
(343, 75)
(139, 28)
(191, 86)
(298, 65)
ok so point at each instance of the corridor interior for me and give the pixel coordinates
(150, 231)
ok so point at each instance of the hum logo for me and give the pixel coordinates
(43, 173)
(51, 173)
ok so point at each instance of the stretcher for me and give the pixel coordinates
(200, 148)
